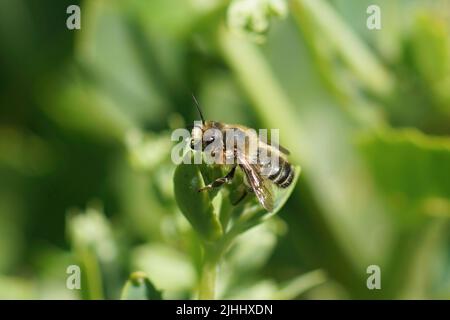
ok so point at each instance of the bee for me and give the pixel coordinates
(241, 147)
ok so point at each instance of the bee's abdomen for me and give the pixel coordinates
(284, 176)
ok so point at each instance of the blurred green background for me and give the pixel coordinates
(85, 123)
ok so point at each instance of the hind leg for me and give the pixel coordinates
(242, 197)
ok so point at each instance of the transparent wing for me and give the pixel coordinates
(277, 146)
(281, 148)
(261, 186)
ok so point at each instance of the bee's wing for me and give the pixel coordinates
(277, 146)
(259, 184)
(281, 148)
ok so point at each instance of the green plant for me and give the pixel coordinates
(365, 112)
(216, 221)
(139, 287)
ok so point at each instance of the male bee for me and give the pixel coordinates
(264, 164)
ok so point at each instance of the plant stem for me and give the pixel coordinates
(208, 277)
(211, 258)
(93, 274)
(354, 52)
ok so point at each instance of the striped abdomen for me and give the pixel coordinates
(283, 174)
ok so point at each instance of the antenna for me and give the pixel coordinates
(198, 109)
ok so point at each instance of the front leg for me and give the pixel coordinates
(220, 181)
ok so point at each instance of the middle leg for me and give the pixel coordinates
(220, 181)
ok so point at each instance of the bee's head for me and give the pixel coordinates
(203, 134)
(196, 137)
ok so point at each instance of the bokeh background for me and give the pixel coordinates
(85, 123)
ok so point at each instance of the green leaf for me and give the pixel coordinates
(411, 169)
(169, 269)
(139, 287)
(253, 249)
(196, 206)
(431, 47)
(410, 162)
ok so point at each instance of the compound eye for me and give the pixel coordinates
(192, 144)
(208, 139)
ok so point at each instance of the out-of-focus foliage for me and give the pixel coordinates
(85, 122)
(139, 287)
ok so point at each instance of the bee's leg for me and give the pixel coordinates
(244, 194)
(220, 181)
